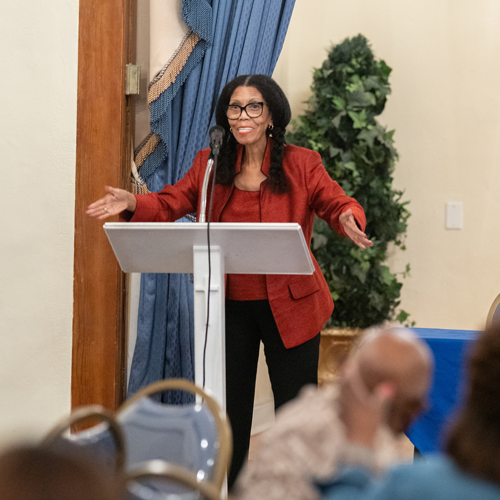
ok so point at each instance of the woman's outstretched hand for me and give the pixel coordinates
(115, 202)
(352, 230)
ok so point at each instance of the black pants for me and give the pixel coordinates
(247, 323)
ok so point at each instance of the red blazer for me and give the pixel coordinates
(301, 304)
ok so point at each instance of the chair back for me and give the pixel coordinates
(196, 437)
(494, 312)
(104, 443)
(139, 486)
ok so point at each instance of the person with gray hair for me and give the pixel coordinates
(309, 437)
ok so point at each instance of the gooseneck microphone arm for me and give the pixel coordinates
(216, 134)
(204, 189)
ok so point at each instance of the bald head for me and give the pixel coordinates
(396, 356)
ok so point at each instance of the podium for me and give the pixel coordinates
(235, 248)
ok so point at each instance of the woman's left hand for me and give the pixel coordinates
(352, 230)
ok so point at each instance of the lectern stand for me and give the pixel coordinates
(235, 248)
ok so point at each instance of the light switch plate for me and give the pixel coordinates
(454, 215)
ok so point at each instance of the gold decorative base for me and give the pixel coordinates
(335, 345)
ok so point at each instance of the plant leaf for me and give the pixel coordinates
(368, 135)
(338, 103)
(358, 119)
(360, 99)
(334, 151)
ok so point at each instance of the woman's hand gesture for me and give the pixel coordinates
(115, 202)
(352, 230)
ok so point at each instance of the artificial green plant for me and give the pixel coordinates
(348, 92)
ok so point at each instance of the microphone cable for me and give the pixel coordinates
(209, 269)
(216, 136)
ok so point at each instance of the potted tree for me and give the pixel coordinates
(348, 92)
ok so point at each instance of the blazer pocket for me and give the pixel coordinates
(306, 286)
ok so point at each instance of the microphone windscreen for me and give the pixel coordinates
(216, 134)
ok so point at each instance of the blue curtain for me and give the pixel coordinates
(235, 37)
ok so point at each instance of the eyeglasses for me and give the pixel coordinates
(252, 109)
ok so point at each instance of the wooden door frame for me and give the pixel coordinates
(106, 43)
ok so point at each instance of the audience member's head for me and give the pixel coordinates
(37, 473)
(396, 356)
(474, 439)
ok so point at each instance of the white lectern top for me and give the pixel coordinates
(249, 248)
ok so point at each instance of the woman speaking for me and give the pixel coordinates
(259, 179)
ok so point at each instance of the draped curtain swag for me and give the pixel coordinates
(226, 38)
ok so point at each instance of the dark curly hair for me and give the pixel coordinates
(279, 108)
(474, 438)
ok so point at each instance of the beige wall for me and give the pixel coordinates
(38, 57)
(445, 108)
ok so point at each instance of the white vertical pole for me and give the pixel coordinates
(215, 356)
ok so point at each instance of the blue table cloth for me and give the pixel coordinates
(450, 349)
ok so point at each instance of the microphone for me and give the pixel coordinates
(216, 135)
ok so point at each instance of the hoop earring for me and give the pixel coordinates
(230, 130)
(270, 130)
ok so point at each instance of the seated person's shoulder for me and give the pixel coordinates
(312, 407)
(439, 477)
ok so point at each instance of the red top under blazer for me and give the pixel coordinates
(301, 304)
